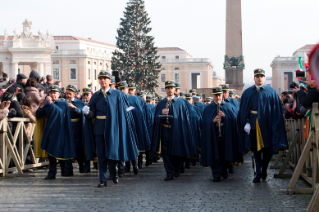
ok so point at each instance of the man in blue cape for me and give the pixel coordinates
(219, 142)
(196, 116)
(172, 134)
(261, 126)
(78, 126)
(235, 103)
(144, 140)
(227, 98)
(140, 122)
(113, 133)
(57, 139)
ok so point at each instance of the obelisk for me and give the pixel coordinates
(234, 59)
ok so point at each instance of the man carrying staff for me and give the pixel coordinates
(112, 129)
(57, 139)
(261, 124)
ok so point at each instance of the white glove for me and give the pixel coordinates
(86, 110)
(247, 128)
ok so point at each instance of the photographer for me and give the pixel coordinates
(21, 80)
(306, 99)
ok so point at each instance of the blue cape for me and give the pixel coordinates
(57, 139)
(181, 138)
(140, 121)
(270, 119)
(120, 140)
(80, 104)
(234, 102)
(201, 106)
(150, 117)
(209, 147)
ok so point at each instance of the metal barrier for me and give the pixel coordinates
(302, 156)
(16, 148)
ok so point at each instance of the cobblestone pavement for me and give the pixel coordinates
(192, 191)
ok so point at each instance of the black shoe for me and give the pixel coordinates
(49, 177)
(121, 172)
(168, 178)
(102, 184)
(177, 173)
(67, 174)
(231, 169)
(115, 179)
(256, 180)
(187, 165)
(95, 166)
(182, 169)
(264, 175)
(84, 170)
(225, 176)
(140, 166)
(216, 179)
(155, 159)
(194, 162)
(135, 169)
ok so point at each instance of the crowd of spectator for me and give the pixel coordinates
(299, 100)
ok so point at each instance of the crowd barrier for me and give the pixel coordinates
(14, 148)
(302, 157)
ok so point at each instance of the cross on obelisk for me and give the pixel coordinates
(234, 59)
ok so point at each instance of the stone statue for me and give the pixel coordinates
(40, 34)
(16, 35)
(27, 34)
(5, 34)
(48, 35)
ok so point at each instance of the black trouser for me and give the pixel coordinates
(167, 159)
(220, 165)
(260, 164)
(66, 165)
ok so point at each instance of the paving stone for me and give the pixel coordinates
(147, 191)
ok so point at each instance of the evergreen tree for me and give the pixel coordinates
(137, 55)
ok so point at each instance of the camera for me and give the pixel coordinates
(293, 85)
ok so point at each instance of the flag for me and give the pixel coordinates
(306, 61)
(300, 65)
(308, 124)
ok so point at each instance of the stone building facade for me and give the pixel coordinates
(284, 69)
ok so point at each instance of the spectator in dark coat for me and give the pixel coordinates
(20, 83)
(48, 83)
(35, 75)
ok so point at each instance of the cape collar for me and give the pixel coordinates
(108, 91)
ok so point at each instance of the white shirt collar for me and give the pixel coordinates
(105, 91)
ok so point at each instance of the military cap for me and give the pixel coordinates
(104, 73)
(141, 93)
(86, 90)
(122, 84)
(188, 96)
(208, 99)
(225, 87)
(193, 91)
(112, 80)
(170, 83)
(217, 90)
(232, 91)
(71, 88)
(182, 94)
(177, 85)
(131, 86)
(260, 71)
(199, 95)
(54, 88)
(149, 98)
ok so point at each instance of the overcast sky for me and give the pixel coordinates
(270, 28)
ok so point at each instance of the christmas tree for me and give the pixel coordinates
(137, 54)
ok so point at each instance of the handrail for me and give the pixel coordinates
(15, 147)
(302, 156)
